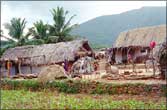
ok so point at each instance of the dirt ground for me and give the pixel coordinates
(148, 81)
(151, 81)
(140, 70)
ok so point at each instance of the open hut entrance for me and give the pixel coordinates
(16, 67)
(113, 55)
(86, 46)
(124, 55)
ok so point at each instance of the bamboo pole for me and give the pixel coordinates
(8, 67)
(19, 66)
(152, 59)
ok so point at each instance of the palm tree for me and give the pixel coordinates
(39, 30)
(61, 26)
(16, 28)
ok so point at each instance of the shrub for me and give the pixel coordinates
(69, 86)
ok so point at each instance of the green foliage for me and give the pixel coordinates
(64, 87)
(35, 42)
(6, 45)
(61, 26)
(30, 84)
(99, 89)
(42, 33)
(69, 86)
(39, 32)
(16, 28)
(164, 90)
(21, 99)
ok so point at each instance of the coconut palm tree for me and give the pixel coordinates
(61, 27)
(16, 28)
(39, 31)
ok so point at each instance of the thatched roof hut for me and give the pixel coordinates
(47, 53)
(141, 36)
(136, 42)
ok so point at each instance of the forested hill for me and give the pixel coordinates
(104, 30)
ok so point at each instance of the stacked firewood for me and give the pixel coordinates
(25, 76)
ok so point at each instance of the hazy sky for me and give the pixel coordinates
(85, 10)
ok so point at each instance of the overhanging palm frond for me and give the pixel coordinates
(68, 23)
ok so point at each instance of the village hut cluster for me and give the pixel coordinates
(136, 43)
(31, 59)
(76, 58)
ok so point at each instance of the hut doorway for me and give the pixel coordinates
(16, 67)
(124, 55)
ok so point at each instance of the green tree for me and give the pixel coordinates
(39, 31)
(16, 28)
(61, 27)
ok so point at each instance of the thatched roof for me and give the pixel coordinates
(141, 36)
(54, 53)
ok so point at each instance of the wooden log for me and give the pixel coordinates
(139, 78)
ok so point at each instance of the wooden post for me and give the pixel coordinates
(31, 69)
(30, 65)
(8, 67)
(44, 59)
(133, 64)
(145, 66)
(19, 66)
(153, 62)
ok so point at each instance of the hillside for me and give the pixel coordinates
(105, 29)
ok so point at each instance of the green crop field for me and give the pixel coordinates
(46, 99)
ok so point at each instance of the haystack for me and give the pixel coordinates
(50, 73)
